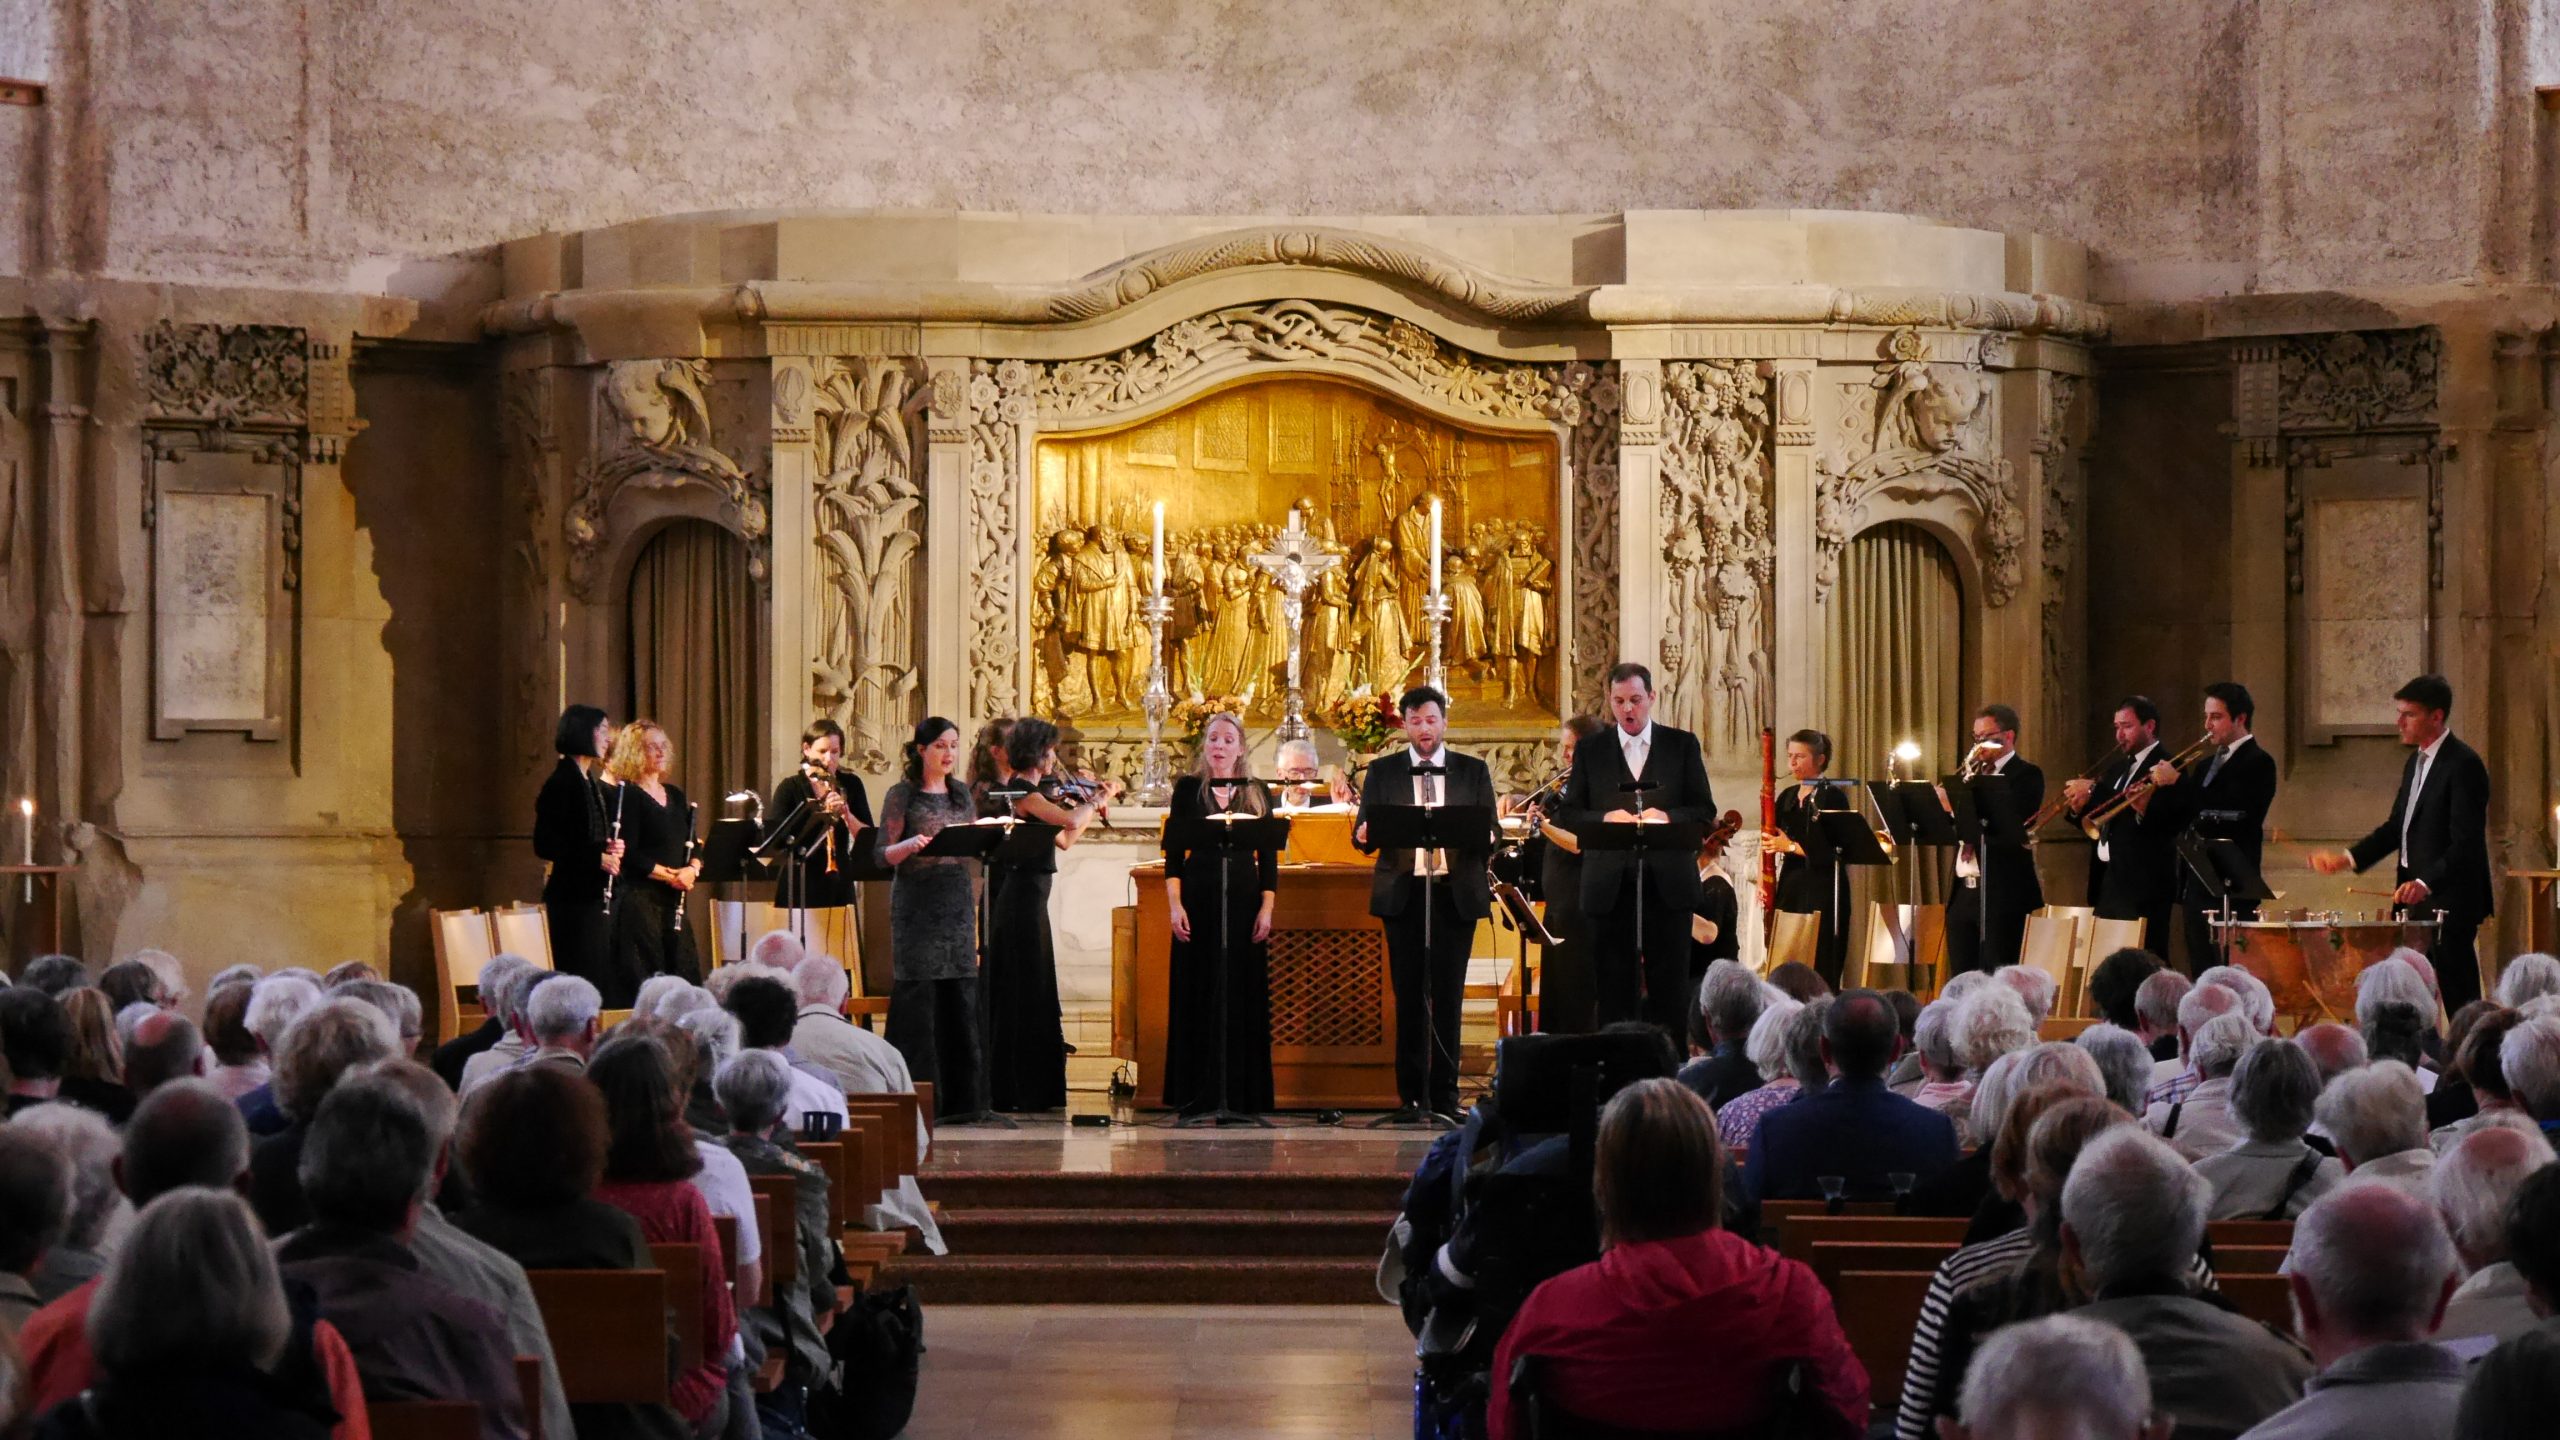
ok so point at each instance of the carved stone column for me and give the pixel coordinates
(536, 648)
(948, 425)
(2057, 481)
(787, 699)
(1798, 636)
(1640, 615)
(2260, 530)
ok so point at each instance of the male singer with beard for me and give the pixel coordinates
(1642, 969)
(1452, 890)
(1996, 886)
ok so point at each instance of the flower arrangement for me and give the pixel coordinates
(1191, 716)
(1363, 720)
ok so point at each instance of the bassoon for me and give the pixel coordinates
(1768, 818)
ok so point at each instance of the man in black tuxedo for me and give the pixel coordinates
(1996, 887)
(2439, 827)
(1406, 885)
(2134, 869)
(2225, 798)
(1808, 863)
(1642, 972)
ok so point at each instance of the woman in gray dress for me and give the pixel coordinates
(933, 998)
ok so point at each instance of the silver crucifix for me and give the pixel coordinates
(1295, 559)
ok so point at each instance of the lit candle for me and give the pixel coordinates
(27, 823)
(1159, 549)
(2555, 832)
(1435, 545)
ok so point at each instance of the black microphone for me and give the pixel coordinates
(1637, 787)
(1430, 770)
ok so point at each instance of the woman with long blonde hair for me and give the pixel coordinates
(656, 870)
(1207, 964)
(93, 1068)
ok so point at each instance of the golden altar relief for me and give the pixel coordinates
(1228, 468)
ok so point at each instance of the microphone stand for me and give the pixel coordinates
(1225, 1113)
(1420, 1113)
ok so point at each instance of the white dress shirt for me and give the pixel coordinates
(2417, 787)
(2132, 777)
(1637, 748)
(1429, 790)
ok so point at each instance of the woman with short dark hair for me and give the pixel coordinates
(571, 831)
(649, 1165)
(1026, 1035)
(933, 953)
(1680, 1325)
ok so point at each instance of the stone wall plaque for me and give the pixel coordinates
(2362, 618)
(224, 512)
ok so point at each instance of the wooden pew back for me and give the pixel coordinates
(1878, 1311)
(1798, 1234)
(683, 1264)
(778, 1223)
(608, 1332)
(424, 1419)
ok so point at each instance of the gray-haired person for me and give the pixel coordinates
(2371, 1271)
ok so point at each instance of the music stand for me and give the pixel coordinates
(731, 855)
(1642, 839)
(1918, 817)
(1461, 832)
(1853, 842)
(1986, 814)
(2224, 872)
(1004, 840)
(1223, 834)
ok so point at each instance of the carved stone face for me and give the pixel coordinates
(646, 411)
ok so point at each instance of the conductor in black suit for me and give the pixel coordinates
(2134, 874)
(1641, 973)
(1430, 981)
(2439, 827)
(1996, 886)
(2225, 798)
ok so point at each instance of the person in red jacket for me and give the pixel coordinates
(1679, 1325)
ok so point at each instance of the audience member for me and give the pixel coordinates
(165, 1046)
(54, 975)
(1851, 1128)
(2031, 985)
(171, 973)
(367, 1161)
(2116, 982)
(1991, 1022)
(682, 1001)
(1732, 999)
(533, 1147)
(1680, 1324)
(2334, 1050)
(2527, 977)
(190, 1330)
(347, 973)
(649, 1167)
(454, 1054)
(93, 1067)
(2201, 1004)
(2271, 1174)
(2378, 1118)
(1964, 1188)
(2514, 1391)
(2396, 1011)
(1800, 982)
(230, 975)
(563, 1019)
(754, 1090)
(714, 1033)
(2483, 1078)
(776, 950)
(767, 1010)
(131, 982)
(2133, 1215)
(654, 991)
(2200, 1122)
(89, 1146)
(239, 1066)
(722, 1180)
(2256, 1000)
(1786, 1045)
(1943, 1087)
(2529, 1059)
(34, 1039)
(2452, 1100)
(2371, 1271)
(1904, 1077)
(2058, 1378)
(825, 1043)
(2041, 1132)
(2123, 1061)
(509, 999)
(398, 1004)
(330, 1039)
(2473, 1186)
(2155, 1005)
(276, 1002)
(35, 1209)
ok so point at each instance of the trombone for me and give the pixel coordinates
(2094, 823)
(2061, 797)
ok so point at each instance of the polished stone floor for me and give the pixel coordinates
(1132, 1372)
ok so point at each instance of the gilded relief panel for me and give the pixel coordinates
(1228, 468)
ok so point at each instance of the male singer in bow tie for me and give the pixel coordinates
(1427, 905)
(1637, 769)
(2439, 826)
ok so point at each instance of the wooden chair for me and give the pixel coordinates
(424, 1419)
(2065, 1027)
(904, 1114)
(2249, 1259)
(830, 1156)
(1798, 1234)
(1774, 1212)
(1878, 1310)
(1833, 1258)
(683, 1264)
(2249, 1232)
(869, 1146)
(464, 943)
(2267, 1299)
(924, 1097)
(529, 1382)
(726, 1226)
(778, 1222)
(608, 1333)
(523, 930)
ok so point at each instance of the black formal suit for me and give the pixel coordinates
(2139, 878)
(2448, 852)
(1565, 1000)
(2228, 801)
(1641, 972)
(1809, 884)
(1987, 934)
(1430, 978)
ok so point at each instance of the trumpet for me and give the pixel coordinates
(1972, 763)
(2062, 798)
(2094, 824)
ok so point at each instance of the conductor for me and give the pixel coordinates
(1639, 770)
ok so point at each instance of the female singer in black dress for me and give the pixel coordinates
(1026, 1035)
(826, 880)
(1807, 869)
(1568, 989)
(656, 871)
(933, 922)
(1197, 884)
(570, 830)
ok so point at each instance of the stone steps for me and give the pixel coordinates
(1262, 1234)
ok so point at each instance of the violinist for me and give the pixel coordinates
(826, 878)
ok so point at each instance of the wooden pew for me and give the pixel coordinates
(424, 1419)
(1799, 1234)
(727, 1228)
(1833, 1258)
(1878, 1311)
(529, 1382)
(2248, 1259)
(924, 1097)
(2249, 1232)
(683, 1264)
(869, 1147)
(831, 1157)
(903, 1112)
(2264, 1298)
(1772, 1212)
(778, 1222)
(608, 1332)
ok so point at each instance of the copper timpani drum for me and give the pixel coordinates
(2312, 964)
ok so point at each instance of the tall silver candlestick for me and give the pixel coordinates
(1295, 559)
(1155, 771)
(1435, 617)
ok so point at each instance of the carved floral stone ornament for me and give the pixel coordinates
(654, 432)
(1925, 431)
(226, 374)
(2358, 379)
(1719, 551)
(867, 530)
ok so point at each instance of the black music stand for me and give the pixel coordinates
(1917, 817)
(1853, 842)
(1642, 839)
(1986, 814)
(1224, 834)
(1462, 833)
(2225, 873)
(1004, 840)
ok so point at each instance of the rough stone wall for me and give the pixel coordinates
(2201, 146)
